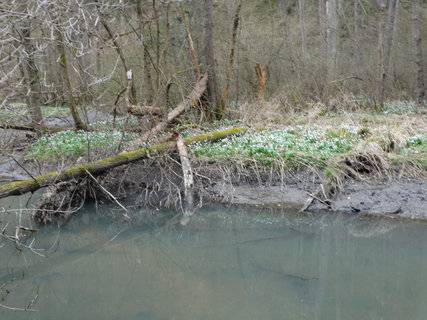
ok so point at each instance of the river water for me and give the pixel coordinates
(225, 264)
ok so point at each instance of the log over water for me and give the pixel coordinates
(97, 167)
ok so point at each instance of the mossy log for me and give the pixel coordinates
(97, 167)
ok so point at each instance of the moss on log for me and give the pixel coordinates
(97, 167)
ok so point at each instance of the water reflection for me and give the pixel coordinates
(225, 264)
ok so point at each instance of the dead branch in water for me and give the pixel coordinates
(187, 173)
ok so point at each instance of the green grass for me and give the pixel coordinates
(6, 115)
(21, 110)
(54, 111)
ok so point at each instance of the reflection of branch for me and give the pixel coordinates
(109, 194)
(19, 245)
(17, 309)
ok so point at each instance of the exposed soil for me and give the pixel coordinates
(403, 197)
(399, 198)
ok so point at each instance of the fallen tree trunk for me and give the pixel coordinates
(97, 167)
(179, 109)
(13, 126)
(141, 111)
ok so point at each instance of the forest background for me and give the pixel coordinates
(335, 53)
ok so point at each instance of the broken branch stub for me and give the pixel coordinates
(187, 173)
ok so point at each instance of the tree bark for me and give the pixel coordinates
(323, 26)
(389, 38)
(332, 39)
(380, 56)
(146, 58)
(187, 173)
(191, 51)
(391, 70)
(418, 54)
(229, 72)
(284, 16)
(141, 111)
(78, 123)
(97, 167)
(357, 12)
(31, 76)
(213, 97)
(132, 90)
(301, 10)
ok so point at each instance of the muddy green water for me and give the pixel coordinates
(226, 264)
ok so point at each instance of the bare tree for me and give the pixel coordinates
(63, 62)
(301, 9)
(389, 36)
(322, 21)
(418, 54)
(332, 38)
(231, 59)
(146, 55)
(380, 56)
(29, 69)
(213, 96)
(357, 12)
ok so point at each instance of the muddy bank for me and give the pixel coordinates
(159, 184)
(404, 197)
(399, 198)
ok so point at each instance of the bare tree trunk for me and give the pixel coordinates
(357, 35)
(390, 70)
(146, 58)
(388, 38)
(167, 41)
(191, 51)
(132, 90)
(418, 54)
(332, 37)
(78, 123)
(213, 97)
(158, 41)
(323, 26)
(31, 78)
(303, 29)
(380, 57)
(284, 16)
(231, 59)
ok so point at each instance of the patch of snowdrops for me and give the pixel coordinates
(73, 144)
(289, 143)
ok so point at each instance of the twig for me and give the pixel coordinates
(17, 309)
(108, 193)
(347, 78)
(25, 170)
(320, 200)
